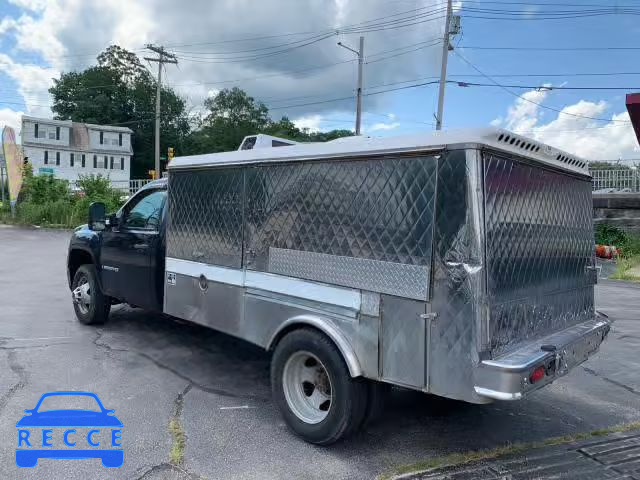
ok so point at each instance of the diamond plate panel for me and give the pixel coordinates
(375, 209)
(532, 317)
(408, 281)
(539, 242)
(205, 216)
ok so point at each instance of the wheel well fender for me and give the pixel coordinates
(77, 258)
(325, 327)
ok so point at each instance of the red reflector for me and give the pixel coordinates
(537, 375)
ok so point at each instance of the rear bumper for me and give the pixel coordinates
(508, 377)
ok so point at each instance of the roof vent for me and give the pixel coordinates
(534, 147)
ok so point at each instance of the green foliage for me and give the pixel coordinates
(40, 189)
(628, 244)
(232, 115)
(96, 188)
(45, 200)
(120, 91)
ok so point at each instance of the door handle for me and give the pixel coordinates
(140, 246)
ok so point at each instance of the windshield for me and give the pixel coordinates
(69, 402)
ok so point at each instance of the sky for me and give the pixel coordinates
(554, 71)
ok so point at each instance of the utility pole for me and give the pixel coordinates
(360, 54)
(443, 70)
(163, 57)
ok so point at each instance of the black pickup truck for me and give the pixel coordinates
(120, 258)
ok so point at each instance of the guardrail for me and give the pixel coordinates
(623, 179)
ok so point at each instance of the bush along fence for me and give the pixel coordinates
(48, 201)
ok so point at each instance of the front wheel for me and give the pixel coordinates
(90, 304)
(312, 388)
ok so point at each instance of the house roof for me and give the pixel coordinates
(109, 128)
(48, 121)
(365, 146)
(68, 123)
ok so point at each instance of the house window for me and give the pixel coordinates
(111, 165)
(95, 161)
(52, 135)
(57, 133)
(57, 158)
(114, 141)
(120, 139)
(101, 138)
(106, 162)
(121, 163)
(35, 130)
(83, 160)
(46, 157)
(71, 159)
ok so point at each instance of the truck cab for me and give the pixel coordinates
(121, 254)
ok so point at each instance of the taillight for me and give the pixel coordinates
(537, 375)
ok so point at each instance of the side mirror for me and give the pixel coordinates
(112, 221)
(97, 216)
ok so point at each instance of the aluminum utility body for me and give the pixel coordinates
(459, 264)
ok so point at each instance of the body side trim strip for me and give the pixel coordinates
(294, 287)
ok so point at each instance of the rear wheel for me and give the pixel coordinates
(90, 304)
(312, 388)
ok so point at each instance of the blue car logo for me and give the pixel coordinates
(48, 431)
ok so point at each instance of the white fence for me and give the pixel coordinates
(130, 186)
(623, 179)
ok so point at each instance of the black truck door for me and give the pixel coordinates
(130, 250)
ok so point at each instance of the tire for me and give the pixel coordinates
(324, 410)
(93, 310)
(377, 393)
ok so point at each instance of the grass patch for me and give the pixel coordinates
(455, 459)
(623, 267)
(179, 440)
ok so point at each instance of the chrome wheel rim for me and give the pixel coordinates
(307, 387)
(82, 295)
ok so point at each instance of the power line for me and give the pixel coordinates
(541, 87)
(536, 103)
(549, 49)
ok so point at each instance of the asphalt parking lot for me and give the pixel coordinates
(153, 370)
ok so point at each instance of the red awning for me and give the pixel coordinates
(633, 107)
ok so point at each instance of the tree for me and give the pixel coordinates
(233, 114)
(119, 90)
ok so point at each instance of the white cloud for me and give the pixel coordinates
(311, 122)
(571, 130)
(11, 118)
(383, 126)
(33, 5)
(33, 82)
(65, 35)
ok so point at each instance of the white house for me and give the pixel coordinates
(68, 149)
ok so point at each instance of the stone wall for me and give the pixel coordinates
(618, 209)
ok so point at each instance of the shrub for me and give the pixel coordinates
(58, 212)
(96, 188)
(628, 244)
(41, 189)
(45, 200)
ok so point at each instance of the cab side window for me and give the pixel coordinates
(145, 213)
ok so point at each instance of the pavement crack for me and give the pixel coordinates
(198, 386)
(19, 370)
(168, 467)
(611, 381)
(178, 435)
